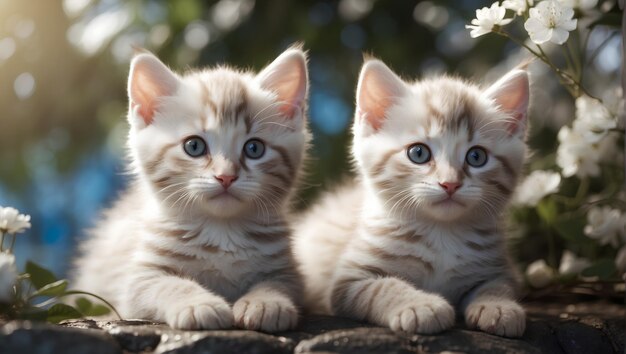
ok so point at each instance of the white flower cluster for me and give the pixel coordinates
(536, 186)
(539, 274)
(487, 18)
(11, 222)
(548, 21)
(606, 225)
(588, 142)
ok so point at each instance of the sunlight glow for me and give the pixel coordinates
(91, 36)
(24, 86)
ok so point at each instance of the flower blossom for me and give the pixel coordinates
(539, 274)
(606, 225)
(550, 21)
(570, 264)
(8, 276)
(11, 221)
(578, 156)
(588, 142)
(536, 186)
(519, 6)
(593, 118)
(487, 18)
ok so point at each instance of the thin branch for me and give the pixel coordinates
(566, 78)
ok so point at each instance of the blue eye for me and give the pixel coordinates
(194, 146)
(254, 148)
(418, 153)
(476, 157)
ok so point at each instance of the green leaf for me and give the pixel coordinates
(83, 304)
(39, 276)
(97, 310)
(572, 229)
(53, 289)
(60, 312)
(603, 268)
(547, 210)
(87, 308)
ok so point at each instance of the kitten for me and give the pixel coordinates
(418, 234)
(200, 240)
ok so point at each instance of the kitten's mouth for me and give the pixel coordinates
(449, 201)
(224, 195)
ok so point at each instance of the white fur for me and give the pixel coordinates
(175, 248)
(434, 253)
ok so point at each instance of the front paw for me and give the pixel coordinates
(207, 314)
(500, 317)
(428, 314)
(265, 314)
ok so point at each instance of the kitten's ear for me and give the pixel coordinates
(511, 94)
(378, 89)
(287, 76)
(148, 81)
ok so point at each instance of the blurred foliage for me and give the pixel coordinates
(38, 295)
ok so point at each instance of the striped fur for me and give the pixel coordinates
(389, 248)
(174, 248)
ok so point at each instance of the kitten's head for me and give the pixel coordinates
(440, 148)
(219, 142)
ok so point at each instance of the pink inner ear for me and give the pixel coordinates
(512, 127)
(511, 93)
(373, 109)
(291, 89)
(287, 77)
(149, 80)
(378, 89)
(145, 95)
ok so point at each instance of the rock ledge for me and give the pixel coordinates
(583, 328)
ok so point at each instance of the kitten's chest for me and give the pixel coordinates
(227, 260)
(455, 259)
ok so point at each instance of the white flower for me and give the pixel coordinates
(576, 155)
(519, 6)
(579, 4)
(570, 264)
(536, 186)
(487, 18)
(11, 221)
(605, 225)
(620, 260)
(539, 274)
(550, 21)
(8, 276)
(592, 118)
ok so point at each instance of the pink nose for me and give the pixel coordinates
(450, 187)
(226, 180)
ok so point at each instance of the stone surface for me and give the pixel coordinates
(233, 341)
(597, 327)
(34, 338)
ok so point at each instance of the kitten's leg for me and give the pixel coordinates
(181, 303)
(393, 303)
(492, 308)
(270, 305)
